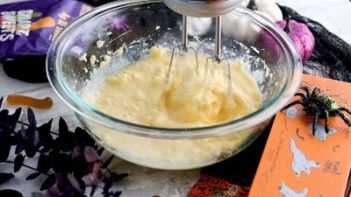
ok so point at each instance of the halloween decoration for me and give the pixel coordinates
(320, 106)
(69, 163)
(212, 186)
(199, 26)
(45, 103)
(300, 35)
(241, 28)
(331, 56)
(267, 8)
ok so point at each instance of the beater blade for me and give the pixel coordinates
(182, 49)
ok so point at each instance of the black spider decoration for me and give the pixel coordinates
(320, 106)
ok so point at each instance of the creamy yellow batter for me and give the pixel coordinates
(192, 97)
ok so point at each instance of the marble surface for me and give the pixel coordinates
(149, 182)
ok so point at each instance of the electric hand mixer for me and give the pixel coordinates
(202, 8)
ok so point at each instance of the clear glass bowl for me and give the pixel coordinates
(275, 66)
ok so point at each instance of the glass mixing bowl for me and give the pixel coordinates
(134, 26)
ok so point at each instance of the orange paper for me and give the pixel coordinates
(296, 163)
(209, 186)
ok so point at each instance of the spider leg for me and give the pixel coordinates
(307, 90)
(301, 95)
(326, 113)
(291, 104)
(343, 117)
(315, 92)
(345, 109)
(314, 124)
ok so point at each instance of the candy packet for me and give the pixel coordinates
(28, 28)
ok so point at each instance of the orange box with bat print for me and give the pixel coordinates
(297, 163)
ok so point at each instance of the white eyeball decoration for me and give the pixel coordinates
(242, 28)
(198, 26)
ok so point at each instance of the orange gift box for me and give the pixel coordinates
(295, 162)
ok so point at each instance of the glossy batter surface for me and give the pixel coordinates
(193, 96)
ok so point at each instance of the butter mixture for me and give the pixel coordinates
(192, 97)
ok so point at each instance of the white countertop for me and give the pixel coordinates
(335, 15)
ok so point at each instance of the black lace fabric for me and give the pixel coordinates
(331, 57)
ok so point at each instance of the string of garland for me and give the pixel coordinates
(70, 160)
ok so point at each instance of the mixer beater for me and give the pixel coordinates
(202, 8)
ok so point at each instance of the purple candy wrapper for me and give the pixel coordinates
(28, 28)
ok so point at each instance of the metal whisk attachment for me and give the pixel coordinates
(215, 59)
(183, 48)
(204, 8)
(218, 57)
